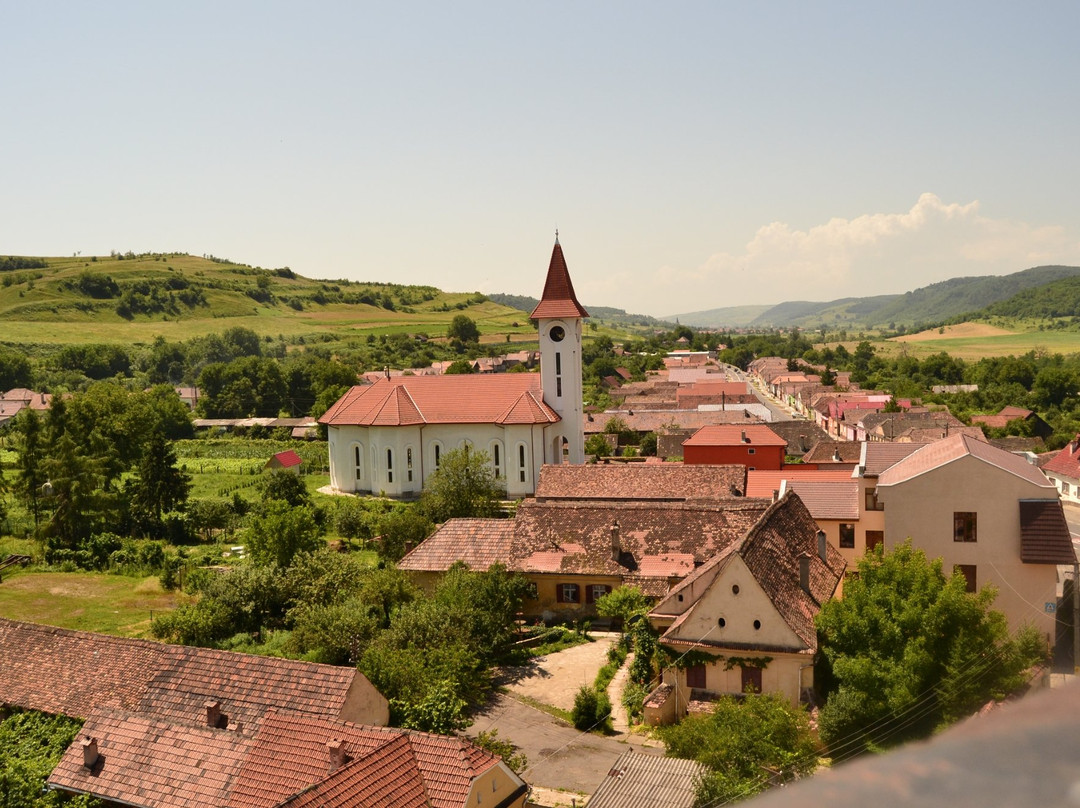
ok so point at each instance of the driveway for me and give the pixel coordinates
(561, 759)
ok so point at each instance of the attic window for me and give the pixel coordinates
(735, 589)
(757, 625)
(721, 622)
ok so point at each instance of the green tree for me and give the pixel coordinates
(279, 531)
(284, 485)
(463, 328)
(464, 485)
(908, 649)
(15, 369)
(74, 492)
(459, 367)
(597, 446)
(745, 745)
(623, 603)
(29, 461)
(404, 525)
(159, 485)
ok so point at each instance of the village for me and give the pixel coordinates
(713, 527)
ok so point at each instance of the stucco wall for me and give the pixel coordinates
(922, 508)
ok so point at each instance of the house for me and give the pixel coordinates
(1032, 421)
(1063, 470)
(288, 460)
(670, 482)
(753, 445)
(749, 613)
(389, 436)
(575, 551)
(834, 452)
(172, 727)
(988, 514)
(18, 399)
(638, 780)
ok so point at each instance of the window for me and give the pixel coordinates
(438, 454)
(566, 593)
(595, 592)
(874, 538)
(751, 679)
(964, 526)
(872, 501)
(496, 459)
(968, 571)
(408, 463)
(751, 451)
(521, 462)
(358, 462)
(558, 386)
(389, 465)
(847, 535)
(695, 676)
(558, 363)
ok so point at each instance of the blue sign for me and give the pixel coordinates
(1049, 607)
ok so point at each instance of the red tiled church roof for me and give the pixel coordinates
(558, 299)
(504, 398)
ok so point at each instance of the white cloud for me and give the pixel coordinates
(875, 253)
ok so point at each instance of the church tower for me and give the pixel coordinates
(559, 316)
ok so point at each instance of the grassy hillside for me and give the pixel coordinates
(132, 299)
(1060, 298)
(936, 303)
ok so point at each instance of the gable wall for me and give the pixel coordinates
(922, 508)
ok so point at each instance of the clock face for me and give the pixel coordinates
(557, 333)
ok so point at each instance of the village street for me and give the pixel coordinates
(563, 762)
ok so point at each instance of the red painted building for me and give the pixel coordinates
(752, 445)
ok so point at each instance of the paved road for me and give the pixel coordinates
(779, 413)
(560, 757)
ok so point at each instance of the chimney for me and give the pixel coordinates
(804, 573)
(213, 713)
(335, 748)
(89, 751)
(615, 548)
(386, 370)
(744, 438)
(822, 548)
(836, 455)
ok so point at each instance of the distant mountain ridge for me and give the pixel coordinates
(937, 302)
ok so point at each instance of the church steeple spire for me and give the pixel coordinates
(558, 299)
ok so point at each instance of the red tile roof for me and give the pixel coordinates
(953, 448)
(828, 500)
(1044, 534)
(725, 435)
(288, 459)
(147, 761)
(290, 755)
(659, 420)
(558, 299)
(877, 456)
(826, 451)
(479, 543)
(763, 482)
(639, 481)
(1066, 463)
(510, 398)
(75, 672)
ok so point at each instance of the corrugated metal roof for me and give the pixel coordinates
(648, 781)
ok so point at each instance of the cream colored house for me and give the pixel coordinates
(989, 515)
(749, 612)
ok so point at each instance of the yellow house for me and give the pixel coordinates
(745, 619)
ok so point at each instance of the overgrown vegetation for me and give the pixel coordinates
(31, 745)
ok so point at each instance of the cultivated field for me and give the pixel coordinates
(974, 341)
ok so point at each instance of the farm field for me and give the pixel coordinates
(974, 341)
(86, 601)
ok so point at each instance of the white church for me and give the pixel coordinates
(388, 437)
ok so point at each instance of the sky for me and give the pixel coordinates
(692, 155)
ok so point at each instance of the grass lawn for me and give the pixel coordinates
(87, 601)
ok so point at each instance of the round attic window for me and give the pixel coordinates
(757, 624)
(557, 333)
(735, 589)
(721, 622)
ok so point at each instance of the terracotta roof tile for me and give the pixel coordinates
(74, 673)
(1066, 463)
(828, 500)
(723, 435)
(764, 482)
(953, 448)
(147, 761)
(465, 399)
(639, 481)
(1044, 534)
(877, 457)
(826, 451)
(479, 543)
(660, 420)
(558, 299)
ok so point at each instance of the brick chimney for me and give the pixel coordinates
(744, 438)
(804, 573)
(822, 548)
(89, 751)
(616, 548)
(213, 714)
(335, 749)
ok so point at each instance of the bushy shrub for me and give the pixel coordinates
(592, 709)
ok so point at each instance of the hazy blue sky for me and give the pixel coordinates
(692, 155)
